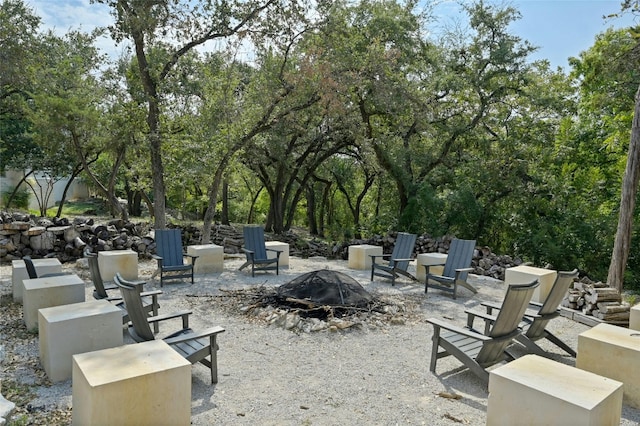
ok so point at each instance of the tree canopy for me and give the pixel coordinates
(348, 118)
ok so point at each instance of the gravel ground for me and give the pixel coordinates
(373, 372)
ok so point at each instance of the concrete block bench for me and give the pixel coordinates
(19, 273)
(47, 292)
(210, 258)
(114, 261)
(277, 245)
(140, 384)
(634, 317)
(360, 256)
(538, 391)
(613, 352)
(429, 259)
(524, 274)
(74, 329)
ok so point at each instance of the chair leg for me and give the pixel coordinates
(434, 348)
(213, 350)
(560, 344)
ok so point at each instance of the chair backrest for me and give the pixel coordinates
(140, 331)
(31, 269)
(403, 249)
(96, 278)
(516, 300)
(169, 246)
(459, 256)
(254, 241)
(550, 306)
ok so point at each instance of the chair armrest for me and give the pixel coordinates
(479, 314)
(151, 293)
(528, 313)
(374, 256)
(488, 319)
(464, 270)
(182, 314)
(491, 306)
(456, 329)
(159, 259)
(403, 260)
(277, 252)
(194, 257)
(192, 336)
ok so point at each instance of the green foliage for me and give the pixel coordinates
(358, 116)
(424, 213)
(20, 199)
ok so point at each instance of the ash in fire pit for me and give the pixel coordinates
(324, 287)
(320, 300)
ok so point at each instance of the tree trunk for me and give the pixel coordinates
(311, 210)
(154, 137)
(76, 171)
(224, 217)
(622, 243)
(15, 190)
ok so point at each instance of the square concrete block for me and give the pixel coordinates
(359, 256)
(140, 384)
(277, 245)
(74, 329)
(47, 292)
(613, 352)
(422, 259)
(210, 258)
(634, 317)
(524, 274)
(114, 261)
(19, 273)
(533, 390)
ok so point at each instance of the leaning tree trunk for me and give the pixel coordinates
(15, 190)
(76, 171)
(620, 253)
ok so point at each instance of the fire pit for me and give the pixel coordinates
(324, 287)
(320, 300)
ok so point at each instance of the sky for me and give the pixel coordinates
(560, 28)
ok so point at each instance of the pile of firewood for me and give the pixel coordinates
(24, 235)
(598, 300)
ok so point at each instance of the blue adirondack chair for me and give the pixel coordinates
(170, 256)
(256, 251)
